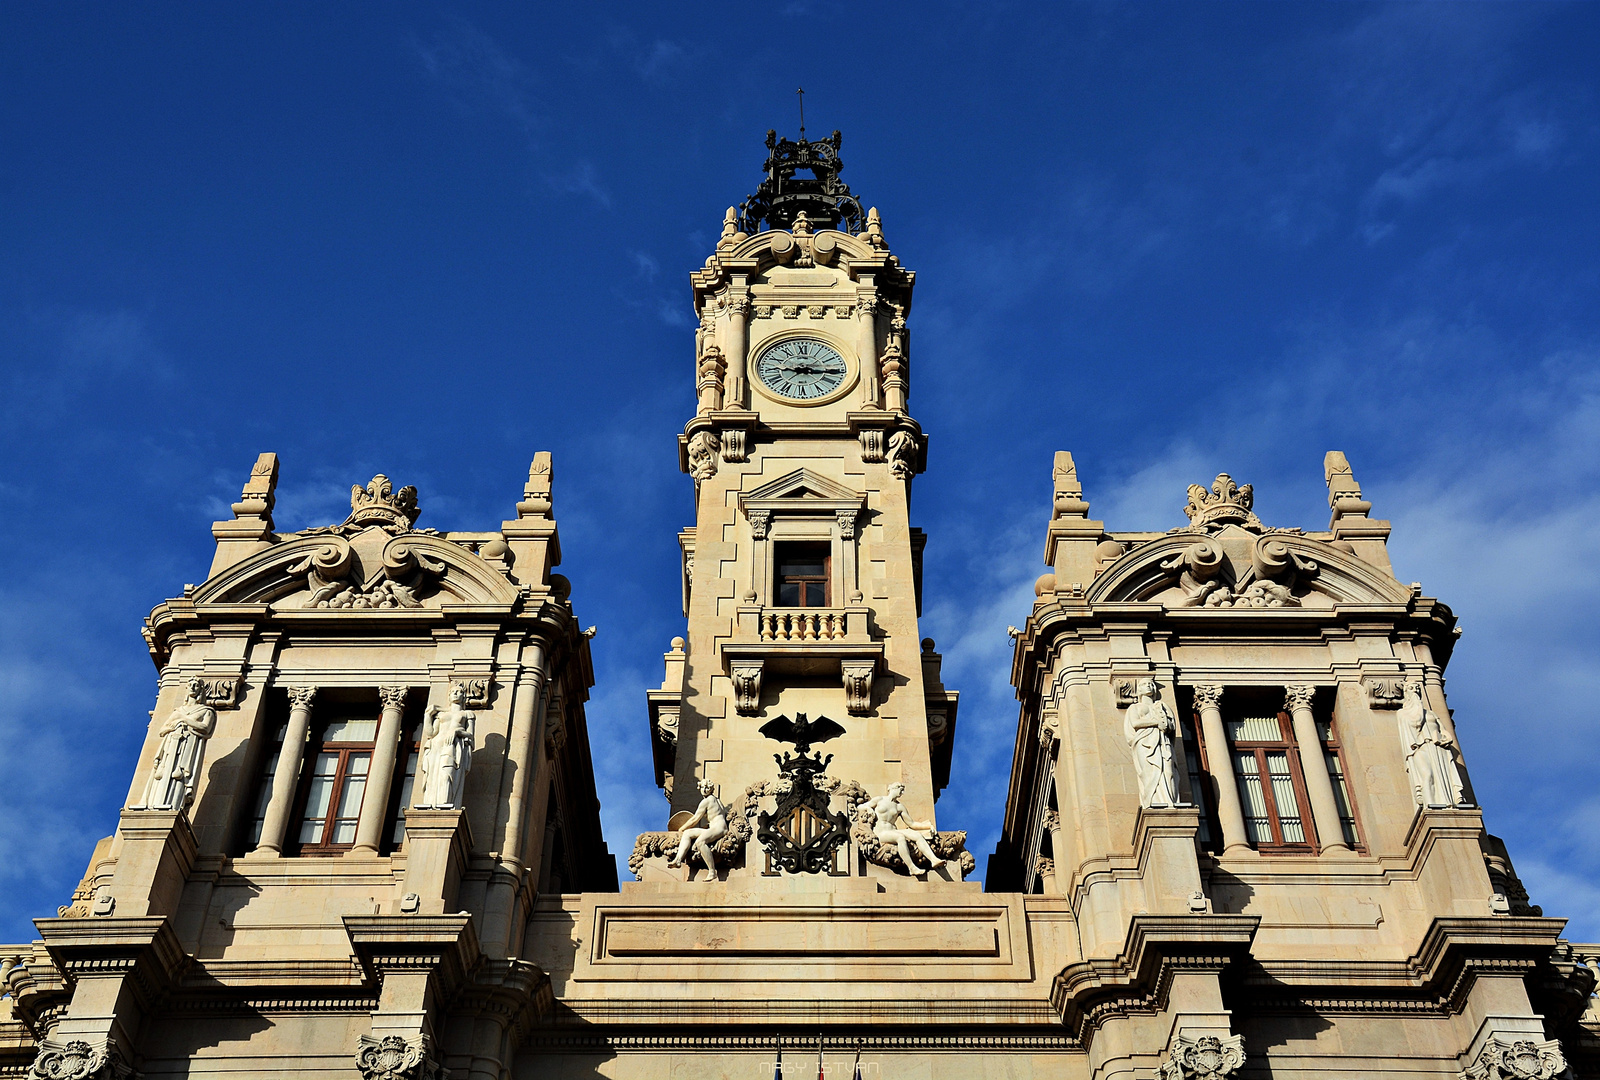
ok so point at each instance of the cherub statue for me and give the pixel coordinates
(1148, 727)
(1430, 760)
(715, 815)
(447, 737)
(886, 813)
(183, 746)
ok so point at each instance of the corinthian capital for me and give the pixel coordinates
(1208, 696)
(393, 697)
(1298, 697)
(300, 697)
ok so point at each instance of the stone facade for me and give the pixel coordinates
(362, 838)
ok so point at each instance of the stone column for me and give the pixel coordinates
(738, 346)
(867, 349)
(375, 804)
(1319, 785)
(286, 776)
(1220, 757)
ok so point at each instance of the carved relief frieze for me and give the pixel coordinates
(763, 311)
(1384, 693)
(760, 522)
(476, 691)
(847, 522)
(1207, 1057)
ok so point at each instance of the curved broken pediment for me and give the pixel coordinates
(1236, 568)
(371, 570)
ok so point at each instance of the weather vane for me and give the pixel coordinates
(802, 93)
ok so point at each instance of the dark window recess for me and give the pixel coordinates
(1200, 784)
(1341, 791)
(803, 575)
(411, 749)
(269, 766)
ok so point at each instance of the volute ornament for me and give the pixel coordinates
(704, 447)
(1209, 1057)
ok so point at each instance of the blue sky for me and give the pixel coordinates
(429, 240)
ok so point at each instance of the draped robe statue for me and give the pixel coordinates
(1430, 759)
(1148, 727)
(183, 747)
(447, 735)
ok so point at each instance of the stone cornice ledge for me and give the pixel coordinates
(1138, 977)
(145, 948)
(444, 945)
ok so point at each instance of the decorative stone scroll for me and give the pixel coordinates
(735, 444)
(395, 1058)
(1207, 1057)
(406, 572)
(1385, 693)
(183, 747)
(703, 450)
(78, 1060)
(872, 445)
(902, 454)
(1203, 574)
(1504, 1058)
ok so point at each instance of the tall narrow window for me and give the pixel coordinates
(803, 575)
(1267, 770)
(336, 785)
(1199, 784)
(411, 747)
(269, 767)
(1341, 791)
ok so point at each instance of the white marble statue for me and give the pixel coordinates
(447, 735)
(1430, 757)
(183, 747)
(701, 837)
(887, 813)
(1149, 726)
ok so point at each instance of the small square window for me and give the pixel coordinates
(804, 575)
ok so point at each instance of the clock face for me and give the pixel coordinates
(801, 369)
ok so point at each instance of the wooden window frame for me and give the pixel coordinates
(823, 547)
(315, 747)
(1258, 749)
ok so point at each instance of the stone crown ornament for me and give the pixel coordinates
(380, 504)
(1225, 504)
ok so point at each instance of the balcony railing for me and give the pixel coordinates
(804, 624)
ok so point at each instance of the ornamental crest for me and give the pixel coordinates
(802, 834)
(1520, 1059)
(1225, 504)
(77, 1060)
(1210, 1057)
(393, 1058)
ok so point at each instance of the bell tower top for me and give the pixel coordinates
(782, 196)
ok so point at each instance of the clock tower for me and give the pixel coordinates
(802, 571)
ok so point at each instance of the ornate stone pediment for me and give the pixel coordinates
(805, 486)
(371, 570)
(1233, 567)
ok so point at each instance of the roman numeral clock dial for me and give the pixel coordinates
(801, 369)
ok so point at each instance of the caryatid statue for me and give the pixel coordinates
(1148, 726)
(447, 735)
(887, 814)
(1430, 758)
(183, 747)
(701, 837)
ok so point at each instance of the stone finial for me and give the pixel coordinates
(536, 492)
(257, 498)
(1069, 501)
(730, 229)
(874, 230)
(1344, 494)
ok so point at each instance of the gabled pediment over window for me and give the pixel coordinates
(803, 491)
